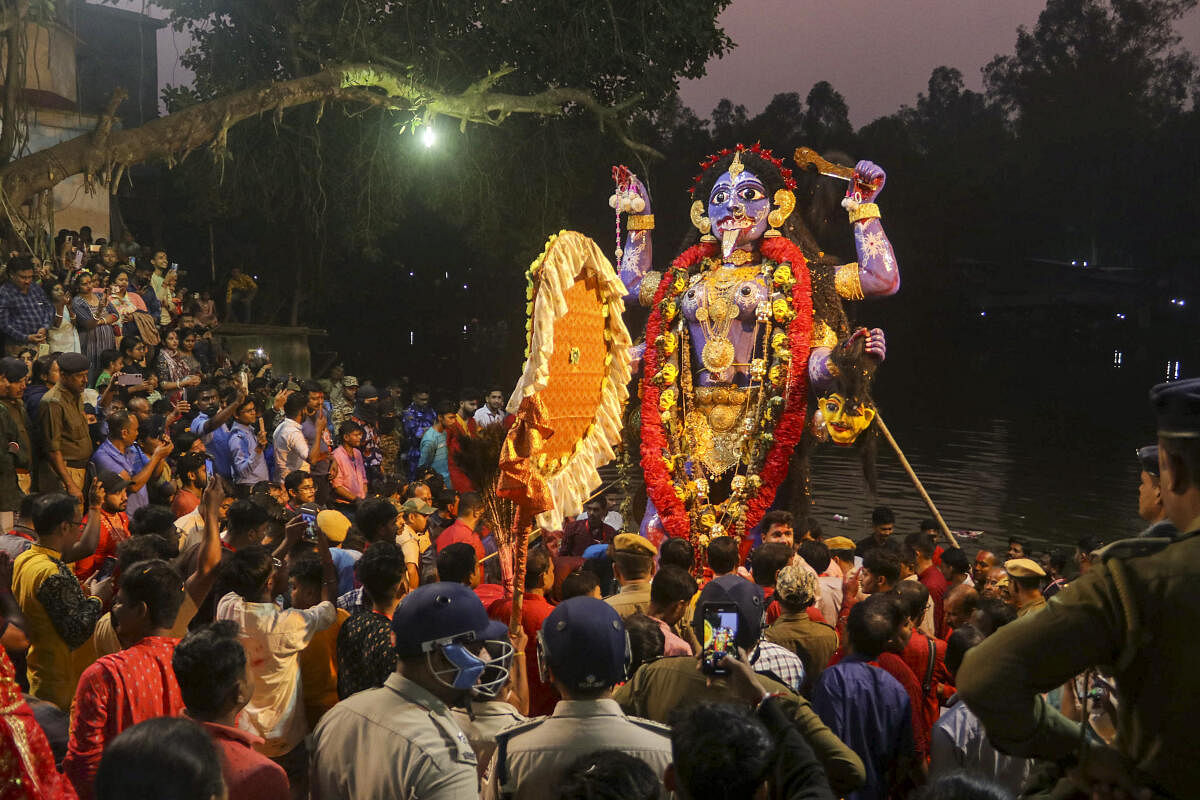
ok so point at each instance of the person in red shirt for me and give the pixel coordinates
(580, 534)
(210, 666)
(539, 579)
(114, 524)
(193, 477)
(462, 530)
(928, 573)
(925, 656)
(134, 684)
(26, 760)
(458, 427)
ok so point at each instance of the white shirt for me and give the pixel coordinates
(958, 743)
(273, 638)
(63, 338)
(484, 416)
(291, 449)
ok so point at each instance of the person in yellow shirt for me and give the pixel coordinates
(59, 613)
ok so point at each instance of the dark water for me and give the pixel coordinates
(1016, 426)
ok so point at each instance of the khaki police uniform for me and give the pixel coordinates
(1139, 612)
(657, 689)
(633, 598)
(530, 758)
(485, 720)
(398, 741)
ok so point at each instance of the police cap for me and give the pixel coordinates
(1148, 458)
(1176, 407)
(747, 596)
(441, 611)
(584, 642)
(1024, 568)
(634, 543)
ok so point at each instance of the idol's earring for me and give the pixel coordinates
(786, 202)
(702, 223)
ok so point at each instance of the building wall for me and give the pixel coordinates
(50, 61)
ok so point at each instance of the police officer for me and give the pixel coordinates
(1027, 577)
(1150, 504)
(401, 740)
(584, 650)
(1138, 611)
(660, 688)
(633, 564)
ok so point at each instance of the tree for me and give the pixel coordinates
(1088, 92)
(307, 196)
(827, 118)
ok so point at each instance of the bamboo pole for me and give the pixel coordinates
(887, 434)
(520, 548)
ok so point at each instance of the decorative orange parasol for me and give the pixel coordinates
(571, 396)
(577, 365)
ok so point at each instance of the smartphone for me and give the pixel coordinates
(129, 379)
(174, 268)
(93, 248)
(132, 261)
(310, 532)
(107, 568)
(720, 636)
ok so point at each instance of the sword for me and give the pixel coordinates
(807, 158)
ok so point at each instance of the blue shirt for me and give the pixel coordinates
(870, 711)
(216, 444)
(108, 457)
(22, 314)
(249, 464)
(433, 453)
(343, 562)
(309, 429)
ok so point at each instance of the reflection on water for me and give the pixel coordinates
(983, 480)
(1017, 426)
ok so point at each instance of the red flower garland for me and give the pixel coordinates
(659, 484)
(795, 411)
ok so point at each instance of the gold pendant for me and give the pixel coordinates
(717, 354)
(721, 311)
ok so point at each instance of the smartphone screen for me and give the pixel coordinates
(720, 635)
(308, 514)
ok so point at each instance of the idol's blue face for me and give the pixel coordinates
(739, 203)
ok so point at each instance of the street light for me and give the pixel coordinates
(428, 137)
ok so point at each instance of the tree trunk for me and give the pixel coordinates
(106, 154)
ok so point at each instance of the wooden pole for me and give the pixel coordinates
(520, 550)
(883, 428)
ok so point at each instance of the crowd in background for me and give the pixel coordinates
(220, 582)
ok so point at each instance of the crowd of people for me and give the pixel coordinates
(217, 583)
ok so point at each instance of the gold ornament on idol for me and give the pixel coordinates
(702, 223)
(736, 167)
(716, 317)
(786, 204)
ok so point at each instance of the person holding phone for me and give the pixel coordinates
(25, 312)
(730, 610)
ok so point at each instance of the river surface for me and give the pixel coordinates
(1014, 428)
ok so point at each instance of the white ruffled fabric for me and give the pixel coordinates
(569, 255)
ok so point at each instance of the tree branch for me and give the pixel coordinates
(169, 138)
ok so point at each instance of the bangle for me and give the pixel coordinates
(864, 211)
(518, 654)
(640, 222)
